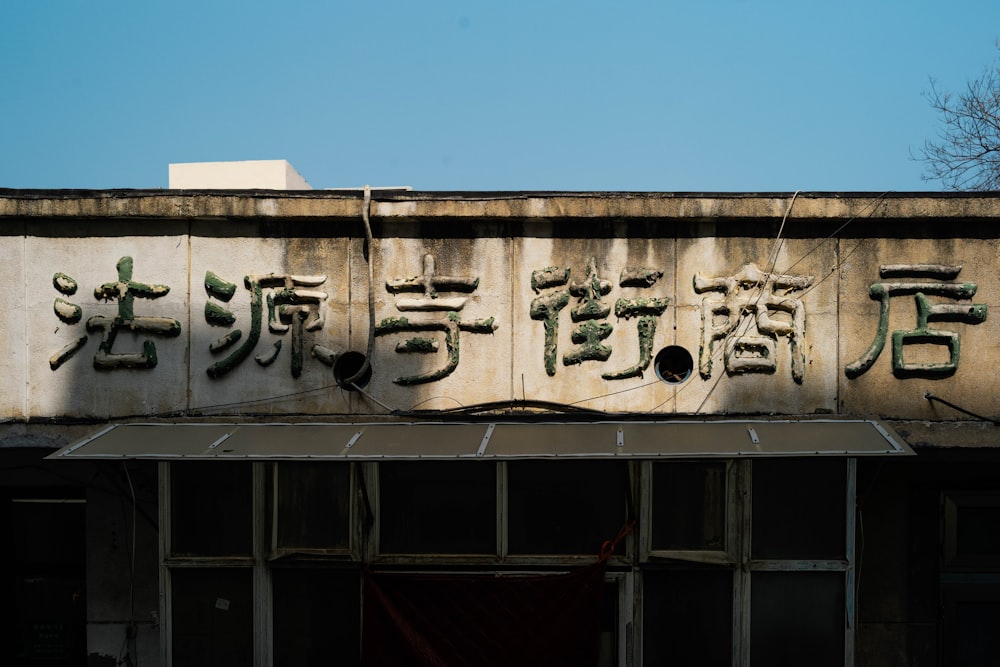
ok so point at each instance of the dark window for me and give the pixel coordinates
(431, 507)
(607, 655)
(970, 584)
(44, 615)
(689, 507)
(565, 507)
(797, 618)
(799, 508)
(976, 627)
(212, 617)
(972, 530)
(211, 513)
(978, 531)
(47, 531)
(687, 618)
(317, 617)
(310, 506)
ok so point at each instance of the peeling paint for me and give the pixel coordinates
(64, 284)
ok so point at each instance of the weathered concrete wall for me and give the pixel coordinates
(479, 298)
(484, 277)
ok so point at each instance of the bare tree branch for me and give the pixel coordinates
(966, 153)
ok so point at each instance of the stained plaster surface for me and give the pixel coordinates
(582, 383)
(317, 270)
(886, 389)
(833, 246)
(76, 388)
(13, 361)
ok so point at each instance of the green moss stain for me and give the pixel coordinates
(218, 316)
(647, 332)
(64, 284)
(451, 327)
(418, 345)
(70, 313)
(546, 309)
(219, 288)
(225, 342)
(220, 368)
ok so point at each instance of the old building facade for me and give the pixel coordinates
(226, 413)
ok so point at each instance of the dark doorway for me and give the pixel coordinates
(43, 565)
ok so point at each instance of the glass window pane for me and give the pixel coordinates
(313, 505)
(978, 531)
(317, 615)
(211, 509)
(212, 619)
(797, 618)
(607, 653)
(565, 507)
(687, 618)
(437, 507)
(689, 507)
(799, 508)
(976, 627)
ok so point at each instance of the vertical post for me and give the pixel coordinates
(261, 581)
(163, 489)
(502, 512)
(741, 574)
(850, 576)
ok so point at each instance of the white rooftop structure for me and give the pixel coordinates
(240, 175)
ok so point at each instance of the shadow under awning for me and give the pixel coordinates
(491, 440)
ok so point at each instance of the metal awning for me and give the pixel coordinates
(490, 440)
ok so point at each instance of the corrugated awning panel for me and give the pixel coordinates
(498, 440)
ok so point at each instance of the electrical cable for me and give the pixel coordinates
(366, 365)
(373, 399)
(833, 234)
(931, 397)
(564, 408)
(772, 257)
(772, 260)
(435, 398)
(371, 308)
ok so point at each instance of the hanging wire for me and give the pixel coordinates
(772, 260)
(871, 205)
(931, 397)
(367, 364)
(365, 214)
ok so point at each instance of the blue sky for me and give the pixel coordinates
(728, 95)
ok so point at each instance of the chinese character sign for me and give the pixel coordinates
(751, 310)
(291, 307)
(124, 291)
(441, 315)
(920, 281)
(590, 314)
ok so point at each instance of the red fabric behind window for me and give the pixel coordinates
(425, 620)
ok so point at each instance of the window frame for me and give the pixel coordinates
(953, 501)
(727, 556)
(276, 552)
(255, 563)
(739, 505)
(964, 578)
(634, 556)
(624, 553)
